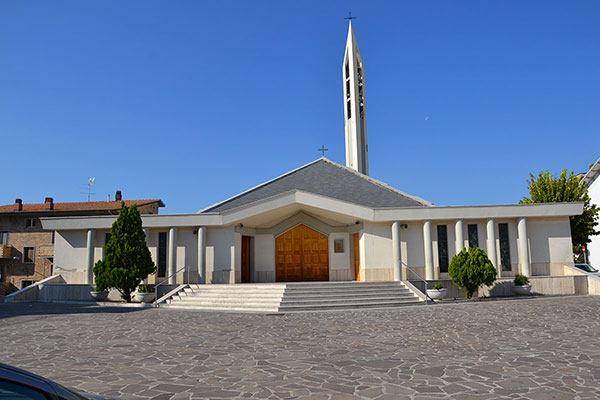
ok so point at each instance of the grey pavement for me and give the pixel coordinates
(544, 348)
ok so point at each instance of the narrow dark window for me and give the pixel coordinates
(349, 106)
(162, 254)
(347, 69)
(442, 242)
(53, 237)
(106, 239)
(504, 247)
(3, 237)
(473, 239)
(348, 89)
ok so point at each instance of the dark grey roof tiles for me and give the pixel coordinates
(326, 178)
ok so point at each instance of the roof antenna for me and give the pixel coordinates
(89, 192)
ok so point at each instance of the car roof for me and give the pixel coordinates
(20, 375)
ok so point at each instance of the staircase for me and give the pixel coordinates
(293, 297)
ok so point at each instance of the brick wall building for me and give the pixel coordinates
(27, 251)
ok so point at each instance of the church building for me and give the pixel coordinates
(329, 222)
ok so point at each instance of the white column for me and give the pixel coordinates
(523, 247)
(396, 251)
(491, 244)
(458, 231)
(428, 250)
(90, 256)
(172, 255)
(201, 254)
(147, 234)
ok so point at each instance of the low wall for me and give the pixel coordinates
(30, 293)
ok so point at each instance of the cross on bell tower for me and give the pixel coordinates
(357, 149)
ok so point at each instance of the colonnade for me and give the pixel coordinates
(490, 247)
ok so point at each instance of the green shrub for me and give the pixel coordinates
(439, 286)
(470, 269)
(127, 259)
(145, 288)
(521, 280)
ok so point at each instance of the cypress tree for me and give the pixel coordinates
(127, 260)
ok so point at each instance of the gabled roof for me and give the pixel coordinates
(592, 173)
(326, 178)
(84, 206)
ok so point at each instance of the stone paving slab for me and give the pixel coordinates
(544, 348)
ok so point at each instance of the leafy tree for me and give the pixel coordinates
(127, 259)
(566, 188)
(470, 269)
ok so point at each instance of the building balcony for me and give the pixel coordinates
(5, 251)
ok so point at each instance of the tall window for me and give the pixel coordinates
(162, 254)
(28, 254)
(473, 239)
(3, 237)
(442, 242)
(504, 247)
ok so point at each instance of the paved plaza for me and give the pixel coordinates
(544, 348)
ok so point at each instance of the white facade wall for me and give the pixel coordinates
(341, 265)
(549, 245)
(594, 245)
(376, 258)
(264, 258)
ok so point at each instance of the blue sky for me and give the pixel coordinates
(195, 101)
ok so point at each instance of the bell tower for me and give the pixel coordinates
(357, 149)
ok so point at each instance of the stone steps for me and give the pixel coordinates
(293, 297)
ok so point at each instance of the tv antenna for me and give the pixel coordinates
(89, 185)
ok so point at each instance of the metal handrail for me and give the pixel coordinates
(169, 277)
(421, 278)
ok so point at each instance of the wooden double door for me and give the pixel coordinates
(302, 254)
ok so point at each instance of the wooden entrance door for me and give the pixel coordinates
(302, 254)
(246, 259)
(356, 257)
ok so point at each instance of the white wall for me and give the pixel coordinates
(550, 240)
(220, 249)
(70, 255)
(264, 253)
(339, 261)
(594, 245)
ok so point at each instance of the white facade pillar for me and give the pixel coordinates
(172, 255)
(90, 256)
(523, 247)
(201, 254)
(491, 244)
(396, 251)
(458, 231)
(147, 234)
(428, 250)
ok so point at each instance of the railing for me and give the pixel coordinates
(186, 281)
(421, 278)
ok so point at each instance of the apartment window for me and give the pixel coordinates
(504, 247)
(3, 237)
(28, 254)
(26, 282)
(442, 242)
(162, 254)
(30, 223)
(473, 239)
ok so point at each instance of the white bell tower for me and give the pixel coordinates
(357, 149)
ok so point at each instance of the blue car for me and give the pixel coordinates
(17, 384)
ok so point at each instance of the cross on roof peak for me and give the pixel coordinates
(323, 150)
(350, 17)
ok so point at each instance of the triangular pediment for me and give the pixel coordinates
(326, 178)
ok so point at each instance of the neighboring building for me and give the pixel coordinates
(325, 221)
(590, 179)
(27, 249)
